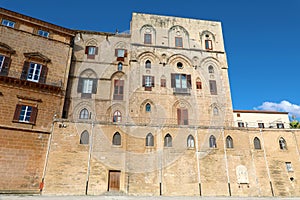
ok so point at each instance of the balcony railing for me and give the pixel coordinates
(183, 91)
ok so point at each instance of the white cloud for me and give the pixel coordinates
(283, 106)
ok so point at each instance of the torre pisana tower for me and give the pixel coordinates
(139, 106)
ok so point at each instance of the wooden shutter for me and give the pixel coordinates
(185, 116)
(173, 80)
(33, 115)
(121, 87)
(152, 81)
(144, 81)
(43, 75)
(80, 84)
(94, 87)
(5, 66)
(25, 70)
(17, 112)
(178, 116)
(86, 49)
(189, 81)
(96, 50)
(125, 53)
(198, 85)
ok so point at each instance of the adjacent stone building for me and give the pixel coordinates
(35, 59)
(147, 112)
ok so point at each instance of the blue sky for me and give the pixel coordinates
(262, 38)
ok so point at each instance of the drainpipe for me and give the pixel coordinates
(266, 161)
(198, 161)
(47, 153)
(226, 163)
(89, 160)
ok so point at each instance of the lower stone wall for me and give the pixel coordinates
(22, 159)
(241, 171)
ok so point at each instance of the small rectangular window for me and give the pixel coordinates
(178, 42)
(147, 38)
(280, 125)
(162, 82)
(213, 87)
(208, 45)
(199, 85)
(43, 33)
(241, 124)
(261, 125)
(238, 114)
(8, 23)
(289, 167)
(118, 89)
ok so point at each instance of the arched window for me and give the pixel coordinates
(149, 140)
(117, 116)
(84, 137)
(212, 142)
(148, 107)
(216, 111)
(190, 142)
(229, 142)
(168, 140)
(282, 143)
(256, 142)
(116, 139)
(120, 66)
(148, 64)
(211, 69)
(84, 114)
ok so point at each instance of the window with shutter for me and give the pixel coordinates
(91, 51)
(213, 87)
(208, 45)
(148, 82)
(118, 89)
(4, 65)
(178, 42)
(182, 116)
(181, 83)
(120, 54)
(25, 113)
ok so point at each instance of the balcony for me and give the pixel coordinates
(182, 91)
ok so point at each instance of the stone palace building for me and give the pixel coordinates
(147, 112)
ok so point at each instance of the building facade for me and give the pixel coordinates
(35, 59)
(150, 113)
(143, 113)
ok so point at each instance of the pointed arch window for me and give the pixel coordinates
(148, 107)
(120, 66)
(117, 116)
(148, 64)
(282, 143)
(229, 142)
(84, 114)
(216, 111)
(149, 140)
(116, 139)
(190, 142)
(168, 140)
(84, 137)
(257, 144)
(212, 142)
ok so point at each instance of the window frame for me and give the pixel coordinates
(182, 116)
(149, 140)
(148, 64)
(91, 51)
(84, 114)
(8, 23)
(147, 38)
(29, 118)
(117, 139)
(178, 42)
(118, 89)
(168, 141)
(212, 142)
(289, 166)
(229, 142)
(84, 138)
(257, 143)
(86, 89)
(208, 44)
(148, 107)
(261, 125)
(43, 33)
(241, 124)
(190, 142)
(148, 82)
(282, 143)
(117, 116)
(213, 87)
